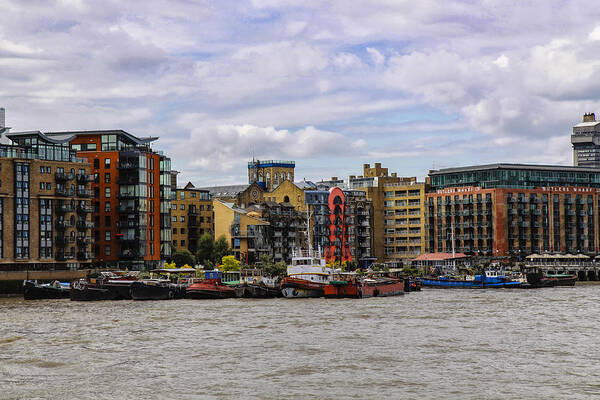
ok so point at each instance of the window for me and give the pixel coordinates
(107, 192)
(42, 185)
(48, 186)
(183, 242)
(107, 177)
(107, 163)
(174, 206)
(175, 231)
(42, 170)
(107, 236)
(182, 219)
(48, 170)
(193, 195)
(183, 206)
(96, 163)
(174, 218)
(182, 195)
(107, 220)
(107, 250)
(107, 206)
(91, 146)
(207, 208)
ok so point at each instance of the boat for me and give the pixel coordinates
(32, 290)
(156, 289)
(536, 278)
(254, 285)
(491, 279)
(307, 276)
(211, 287)
(349, 285)
(109, 285)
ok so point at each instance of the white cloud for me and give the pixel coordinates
(376, 56)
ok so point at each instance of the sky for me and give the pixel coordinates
(333, 84)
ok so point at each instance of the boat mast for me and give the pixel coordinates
(308, 228)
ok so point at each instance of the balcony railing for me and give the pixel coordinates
(64, 208)
(84, 209)
(63, 176)
(63, 224)
(83, 225)
(84, 193)
(65, 192)
(84, 178)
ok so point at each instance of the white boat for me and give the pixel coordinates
(307, 275)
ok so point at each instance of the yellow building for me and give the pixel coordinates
(398, 221)
(245, 231)
(270, 173)
(287, 192)
(191, 217)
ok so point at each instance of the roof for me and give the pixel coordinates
(225, 191)
(532, 167)
(305, 185)
(56, 140)
(439, 256)
(586, 124)
(120, 132)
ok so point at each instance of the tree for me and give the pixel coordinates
(229, 263)
(182, 257)
(206, 248)
(221, 249)
(271, 268)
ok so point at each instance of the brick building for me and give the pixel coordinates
(131, 193)
(44, 204)
(514, 210)
(191, 217)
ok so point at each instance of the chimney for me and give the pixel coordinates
(589, 117)
(394, 174)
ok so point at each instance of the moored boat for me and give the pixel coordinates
(307, 276)
(32, 290)
(381, 287)
(107, 286)
(156, 289)
(491, 279)
(211, 287)
(536, 278)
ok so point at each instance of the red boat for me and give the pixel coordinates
(354, 287)
(209, 289)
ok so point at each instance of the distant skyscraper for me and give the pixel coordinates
(2, 118)
(586, 142)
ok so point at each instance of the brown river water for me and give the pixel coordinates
(434, 344)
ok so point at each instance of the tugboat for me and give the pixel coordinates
(253, 285)
(307, 276)
(32, 290)
(211, 287)
(351, 286)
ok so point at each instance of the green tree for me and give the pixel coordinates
(229, 263)
(221, 249)
(206, 248)
(271, 268)
(183, 257)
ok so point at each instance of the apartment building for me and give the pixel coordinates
(191, 217)
(45, 207)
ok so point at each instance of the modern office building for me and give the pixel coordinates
(191, 217)
(131, 192)
(586, 142)
(512, 210)
(44, 204)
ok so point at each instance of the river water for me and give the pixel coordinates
(434, 344)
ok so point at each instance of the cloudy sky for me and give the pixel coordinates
(330, 84)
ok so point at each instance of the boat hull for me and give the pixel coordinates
(91, 294)
(143, 291)
(31, 291)
(259, 292)
(296, 292)
(208, 294)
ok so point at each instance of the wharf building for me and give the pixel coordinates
(131, 195)
(512, 210)
(191, 217)
(398, 216)
(45, 207)
(586, 142)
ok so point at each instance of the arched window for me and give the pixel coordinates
(289, 176)
(286, 199)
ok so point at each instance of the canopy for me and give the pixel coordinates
(174, 270)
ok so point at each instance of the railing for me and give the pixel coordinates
(63, 224)
(64, 208)
(84, 193)
(63, 176)
(64, 192)
(84, 178)
(85, 209)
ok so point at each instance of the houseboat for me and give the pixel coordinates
(32, 290)
(491, 279)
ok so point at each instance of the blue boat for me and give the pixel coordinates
(491, 279)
